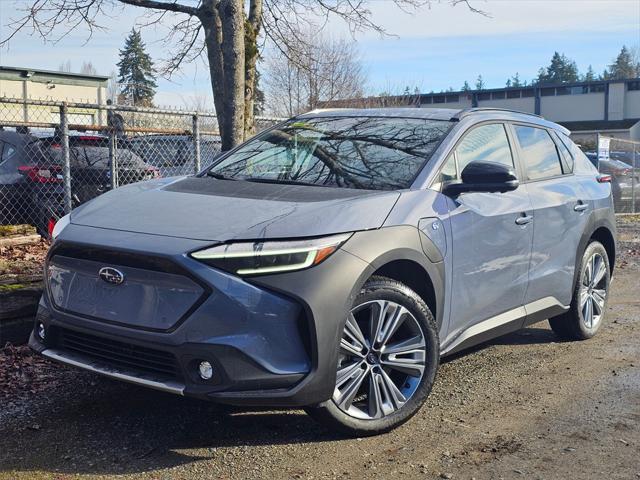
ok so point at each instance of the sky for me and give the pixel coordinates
(431, 48)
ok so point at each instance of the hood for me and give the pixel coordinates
(203, 208)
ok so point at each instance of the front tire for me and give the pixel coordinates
(590, 294)
(388, 358)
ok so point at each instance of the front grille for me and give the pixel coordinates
(118, 354)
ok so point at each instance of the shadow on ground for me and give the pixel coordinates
(105, 427)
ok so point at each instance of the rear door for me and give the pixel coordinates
(492, 235)
(561, 213)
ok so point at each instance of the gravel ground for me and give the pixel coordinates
(523, 406)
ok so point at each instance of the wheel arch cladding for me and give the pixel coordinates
(603, 235)
(397, 253)
(414, 276)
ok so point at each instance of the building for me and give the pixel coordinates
(30, 83)
(608, 107)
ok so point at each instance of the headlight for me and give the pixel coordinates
(60, 225)
(254, 258)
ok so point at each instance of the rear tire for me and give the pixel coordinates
(590, 294)
(388, 359)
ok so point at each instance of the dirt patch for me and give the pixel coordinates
(23, 259)
(24, 372)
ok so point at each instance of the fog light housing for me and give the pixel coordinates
(41, 331)
(205, 370)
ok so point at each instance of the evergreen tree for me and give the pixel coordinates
(561, 69)
(479, 83)
(508, 84)
(136, 72)
(623, 67)
(590, 76)
(466, 87)
(515, 81)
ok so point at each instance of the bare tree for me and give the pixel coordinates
(65, 67)
(198, 102)
(88, 68)
(223, 32)
(319, 70)
(112, 87)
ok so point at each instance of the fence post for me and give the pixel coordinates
(113, 158)
(598, 151)
(66, 165)
(196, 144)
(634, 171)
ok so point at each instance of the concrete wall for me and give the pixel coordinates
(632, 104)
(527, 105)
(616, 101)
(569, 108)
(53, 89)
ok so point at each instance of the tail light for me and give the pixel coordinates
(51, 224)
(51, 174)
(603, 178)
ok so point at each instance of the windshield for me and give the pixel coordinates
(375, 153)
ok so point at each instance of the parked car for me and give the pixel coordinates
(622, 180)
(32, 175)
(174, 154)
(331, 261)
(18, 153)
(91, 166)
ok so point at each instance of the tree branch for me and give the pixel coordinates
(158, 5)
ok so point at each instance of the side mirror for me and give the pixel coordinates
(484, 177)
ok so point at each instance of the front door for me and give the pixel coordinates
(492, 235)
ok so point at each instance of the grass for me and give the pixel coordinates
(12, 287)
(629, 218)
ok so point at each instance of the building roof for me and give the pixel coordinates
(601, 125)
(424, 98)
(24, 71)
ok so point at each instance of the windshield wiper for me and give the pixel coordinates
(274, 180)
(218, 176)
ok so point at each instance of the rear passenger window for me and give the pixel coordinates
(565, 155)
(539, 151)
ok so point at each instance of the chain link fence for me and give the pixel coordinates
(619, 159)
(55, 156)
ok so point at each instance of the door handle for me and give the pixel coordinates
(580, 206)
(524, 219)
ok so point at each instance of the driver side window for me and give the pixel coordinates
(487, 143)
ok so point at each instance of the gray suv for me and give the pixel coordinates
(331, 261)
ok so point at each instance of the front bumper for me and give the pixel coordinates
(271, 342)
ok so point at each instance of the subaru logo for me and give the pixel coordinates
(111, 275)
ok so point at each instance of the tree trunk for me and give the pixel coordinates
(233, 58)
(223, 24)
(252, 29)
(211, 23)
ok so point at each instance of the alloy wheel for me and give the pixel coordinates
(381, 362)
(593, 291)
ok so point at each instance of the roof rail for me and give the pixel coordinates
(467, 111)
